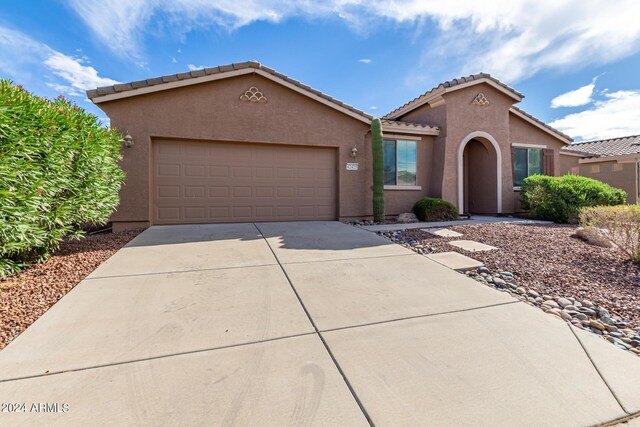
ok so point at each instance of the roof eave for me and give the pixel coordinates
(112, 93)
(567, 140)
(410, 130)
(441, 90)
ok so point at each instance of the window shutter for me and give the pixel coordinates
(513, 165)
(547, 162)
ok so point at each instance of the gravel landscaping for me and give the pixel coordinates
(592, 287)
(26, 296)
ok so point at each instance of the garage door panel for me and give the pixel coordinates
(264, 192)
(215, 192)
(199, 182)
(285, 173)
(194, 192)
(197, 212)
(168, 170)
(218, 171)
(194, 170)
(242, 172)
(221, 212)
(168, 191)
(168, 213)
(264, 172)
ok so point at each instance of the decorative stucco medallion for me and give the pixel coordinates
(253, 95)
(481, 100)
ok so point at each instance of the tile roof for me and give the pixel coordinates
(124, 87)
(541, 123)
(452, 83)
(405, 125)
(607, 147)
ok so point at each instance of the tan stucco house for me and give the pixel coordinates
(243, 142)
(615, 161)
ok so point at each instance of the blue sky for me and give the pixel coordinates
(576, 61)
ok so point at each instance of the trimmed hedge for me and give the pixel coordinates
(58, 173)
(560, 198)
(429, 209)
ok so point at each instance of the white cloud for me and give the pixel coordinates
(195, 67)
(575, 98)
(78, 76)
(512, 40)
(68, 90)
(28, 60)
(173, 60)
(373, 107)
(364, 61)
(617, 115)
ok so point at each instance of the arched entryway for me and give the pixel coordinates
(479, 174)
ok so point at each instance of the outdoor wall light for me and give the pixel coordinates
(128, 140)
(354, 152)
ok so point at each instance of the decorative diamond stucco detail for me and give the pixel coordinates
(481, 100)
(253, 95)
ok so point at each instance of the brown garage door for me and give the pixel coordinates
(204, 182)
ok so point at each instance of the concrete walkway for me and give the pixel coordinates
(288, 324)
(474, 219)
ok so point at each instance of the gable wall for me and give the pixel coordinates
(212, 111)
(463, 118)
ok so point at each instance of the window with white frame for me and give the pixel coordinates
(527, 162)
(400, 162)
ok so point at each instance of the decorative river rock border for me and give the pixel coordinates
(582, 314)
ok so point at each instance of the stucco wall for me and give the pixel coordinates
(458, 118)
(464, 118)
(625, 177)
(426, 115)
(213, 112)
(523, 132)
(568, 164)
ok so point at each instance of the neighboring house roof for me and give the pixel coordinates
(540, 124)
(450, 86)
(141, 87)
(606, 147)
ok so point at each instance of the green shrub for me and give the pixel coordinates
(560, 198)
(58, 173)
(620, 225)
(429, 209)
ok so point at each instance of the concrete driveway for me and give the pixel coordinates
(314, 323)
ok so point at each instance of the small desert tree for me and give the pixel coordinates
(58, 172)
(378, 170)
(620, 225)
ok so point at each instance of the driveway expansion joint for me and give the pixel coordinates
(604, 380)
(162, 356)
(317, 332)
(350, 259)
(419, 316)
(118, 276)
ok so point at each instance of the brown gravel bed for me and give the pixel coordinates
(548, 259)
(26, 296)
